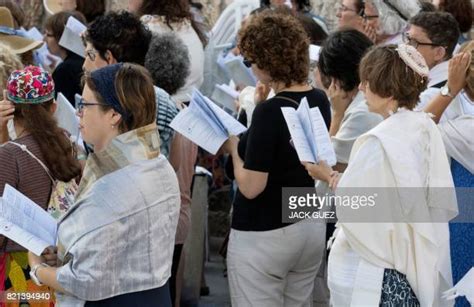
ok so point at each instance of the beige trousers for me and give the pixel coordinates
(277, 267)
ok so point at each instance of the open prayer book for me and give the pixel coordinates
(26, 223)
(71, 38)
(206, 124)
(309, 133)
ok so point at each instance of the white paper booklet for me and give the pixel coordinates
(71, 38)
(225, 96)
(26, 223)
(241, 74)
(206, 124)
(309, 133)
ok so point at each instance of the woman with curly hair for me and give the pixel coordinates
(269, 262)
(164, 16)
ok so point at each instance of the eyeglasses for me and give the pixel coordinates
(91, 54)
(370, 16)
(413, 42)
(247, 63)
(81, 103)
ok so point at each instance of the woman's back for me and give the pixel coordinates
(25, 174)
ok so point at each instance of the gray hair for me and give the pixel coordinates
(394, 14)
(168, 62)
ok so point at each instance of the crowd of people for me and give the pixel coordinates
(393, 83)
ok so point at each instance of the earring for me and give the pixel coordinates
(113, 126)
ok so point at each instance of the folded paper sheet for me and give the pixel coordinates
(26, 223)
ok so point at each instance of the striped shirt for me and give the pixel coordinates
(165, 112)
(25, 174)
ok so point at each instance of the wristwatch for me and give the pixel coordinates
(33, 273)
(445, 91)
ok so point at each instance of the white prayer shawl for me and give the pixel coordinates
(357, 120)
(405, 150)
(458, 137)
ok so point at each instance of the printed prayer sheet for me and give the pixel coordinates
(26, 223)
(71, 38)
(206, 124)
(309, 133)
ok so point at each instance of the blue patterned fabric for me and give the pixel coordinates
(166, 110)
(461, 234)
(396, 291)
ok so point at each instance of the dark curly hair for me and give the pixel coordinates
(123, 34)
(173, 11)
(388, 76)
(168, 62)
(277, 43)
(340, 57)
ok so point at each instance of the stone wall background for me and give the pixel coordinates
(212, 9)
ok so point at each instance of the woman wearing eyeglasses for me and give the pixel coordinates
(67, 75)
(394, 250)
(269, 262)
(115, 244)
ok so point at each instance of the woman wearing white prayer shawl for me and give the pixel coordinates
(403, 259)
(458, 137)
(115, 245)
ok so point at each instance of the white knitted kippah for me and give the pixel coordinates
(413, 59)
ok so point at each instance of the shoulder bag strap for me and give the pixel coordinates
(289, 99)
(25, 149)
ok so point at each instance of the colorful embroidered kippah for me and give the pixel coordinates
(413, 59)
(31, 85)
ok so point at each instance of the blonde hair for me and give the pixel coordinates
(469, 48)
(9, 62)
